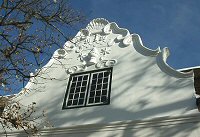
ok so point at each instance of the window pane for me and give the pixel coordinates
(69, 103)
(91, 100)
(72, 90)
(81, 101)
(85, 77)
(88, 88)
(74, 79)
(98, 93)
(105, 80)
(78, 84)
(83, 89)
(77, 88)
(97, 99)
(100, 75)
(94, 76)
(106, 74)
(76, 96)
(92, 94)
(93, 87)
(105, 86)
(71, 96)
(104, 99)
(84, 83)
(75, 102)
(73, 84)
(82, 95)
(94, 81)
(104, 92)
(99, 81)
(99, 87)
(80, 78)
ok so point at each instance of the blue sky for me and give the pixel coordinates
(165, 23)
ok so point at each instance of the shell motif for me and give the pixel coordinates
(97, 25)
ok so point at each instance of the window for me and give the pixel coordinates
(88, 89)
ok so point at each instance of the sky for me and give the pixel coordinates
(166, 23)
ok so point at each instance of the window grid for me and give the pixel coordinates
(77, 92)
(88, 89)
(99, 83)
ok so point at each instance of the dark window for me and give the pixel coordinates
(88, 89)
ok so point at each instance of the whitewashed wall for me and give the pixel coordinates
(144, 88)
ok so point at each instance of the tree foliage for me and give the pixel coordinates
(19, 116)
(30, 30)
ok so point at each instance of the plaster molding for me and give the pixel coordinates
(60, 53)
(97, 25)
(89, 44)
(94, 57)
(99, 30)
(114, 126)
(113, 28)
(121, 125)
(106, 63)
(162, 64)
(139, 47)
(77, 68)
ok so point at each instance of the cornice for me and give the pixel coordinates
(114, 126)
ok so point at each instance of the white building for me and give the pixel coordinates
(106, 83)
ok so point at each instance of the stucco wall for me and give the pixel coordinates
(140, 89)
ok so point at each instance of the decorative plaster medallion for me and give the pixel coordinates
(93, 46)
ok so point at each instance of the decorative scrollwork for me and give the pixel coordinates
(76, 69)
(106, 63)
(99, 36)
(162, 64)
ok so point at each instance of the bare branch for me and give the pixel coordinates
(30, 30)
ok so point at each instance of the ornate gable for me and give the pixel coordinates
(94, 43)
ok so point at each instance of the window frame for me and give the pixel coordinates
(86, 98)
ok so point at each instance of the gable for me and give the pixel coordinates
(143, 84)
